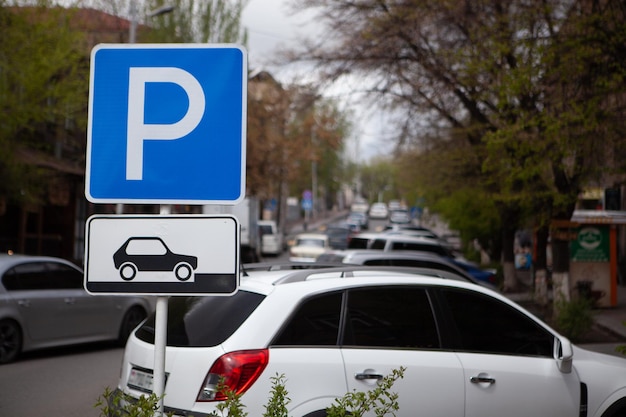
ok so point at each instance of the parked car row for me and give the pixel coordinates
(467, 350)
(413, 259)
(421, 240)
(338, 237)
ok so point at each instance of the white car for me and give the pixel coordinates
(400, 216)
(378, 211)
(308, 246)
(466, 350)
(400, 241)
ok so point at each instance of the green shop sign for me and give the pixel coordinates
(591, 244)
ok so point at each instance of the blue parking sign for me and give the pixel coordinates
(167, 124)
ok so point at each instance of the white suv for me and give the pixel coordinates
(468, 351)
(401, 241)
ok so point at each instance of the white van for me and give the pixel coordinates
(272, 241)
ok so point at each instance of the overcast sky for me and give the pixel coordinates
(270, 26)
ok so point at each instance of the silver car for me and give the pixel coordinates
(43, 304)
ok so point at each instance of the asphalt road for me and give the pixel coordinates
(59, 383)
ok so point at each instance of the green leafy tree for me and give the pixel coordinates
(194, 21)
(43, 95)
(179, 21)
(316, 130)
(519, 86)
(378, 179)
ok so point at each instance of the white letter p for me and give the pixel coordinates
(138, 131)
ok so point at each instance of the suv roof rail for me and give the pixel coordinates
(348, 271)
(284, 266)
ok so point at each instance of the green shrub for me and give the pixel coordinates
(232, 405)
(355, 404)
(573, 318)
(277, 404)
(117, 404)
(380, 399)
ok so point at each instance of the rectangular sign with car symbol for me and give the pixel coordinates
(162, 255)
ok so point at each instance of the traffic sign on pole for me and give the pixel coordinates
(167, 124)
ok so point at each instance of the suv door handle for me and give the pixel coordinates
(482, 379)
(361, 377)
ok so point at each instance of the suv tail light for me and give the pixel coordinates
(239, 370)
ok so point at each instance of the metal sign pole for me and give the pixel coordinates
(160, 340)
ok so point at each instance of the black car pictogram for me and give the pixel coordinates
(152, 254)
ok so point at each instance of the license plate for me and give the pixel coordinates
(140, 379)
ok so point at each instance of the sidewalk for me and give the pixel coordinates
(610, 319)
(613, 319)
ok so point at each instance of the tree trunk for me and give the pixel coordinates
(540, 265)
(508, 257)
(560, 265)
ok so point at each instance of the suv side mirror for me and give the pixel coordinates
(564, 354)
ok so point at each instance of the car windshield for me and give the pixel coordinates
(358, 243)
(203, 321)
(337, 231)
(310, 242)
(265, 229)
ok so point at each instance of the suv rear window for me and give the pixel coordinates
(439, 250)
(358, 243)
(203, 321)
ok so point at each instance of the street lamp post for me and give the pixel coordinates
(132, 30)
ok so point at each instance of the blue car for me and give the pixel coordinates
(480, 274)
